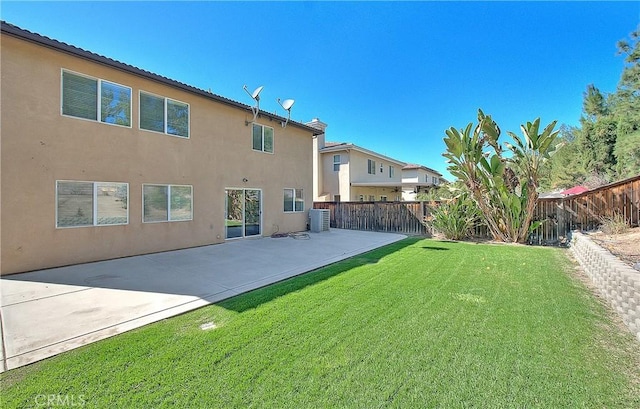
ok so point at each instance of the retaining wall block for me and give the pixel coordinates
(617, 282)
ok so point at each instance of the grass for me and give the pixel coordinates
(419, 323)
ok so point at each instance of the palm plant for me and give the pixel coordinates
(504, 187)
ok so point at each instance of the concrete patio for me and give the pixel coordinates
(44, 313)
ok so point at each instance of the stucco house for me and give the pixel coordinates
(103, 160)
(347, 172)
(350, 173)
(418, 178)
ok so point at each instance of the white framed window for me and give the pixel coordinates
(435, 180)
(336, 163)
(361, 198)
(95, 99)
(262, 138)
(383, 198)
(371, 167)
(80, 203)
(164, 115)
(293, 200)
(372, 198)
(167, 203)
(392, 171)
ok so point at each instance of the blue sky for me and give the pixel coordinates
(388, 76)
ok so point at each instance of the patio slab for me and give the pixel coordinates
(46, 312)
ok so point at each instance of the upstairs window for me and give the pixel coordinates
(391, 171)
(293, 200)
(262, 137)
(165, 115)
(336, 163)
(95, 99)
(371, 167)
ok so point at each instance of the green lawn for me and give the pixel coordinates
(419, 323)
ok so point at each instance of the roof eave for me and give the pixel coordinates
(14, 31)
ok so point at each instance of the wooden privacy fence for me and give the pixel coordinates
(585, 211)
(401, 217)
(559, 215)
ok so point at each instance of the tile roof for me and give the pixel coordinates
(416, 166)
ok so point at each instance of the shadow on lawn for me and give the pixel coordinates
(434, 248)
(257, 297)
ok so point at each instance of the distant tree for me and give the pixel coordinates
(607, 145)
(594, 103)
(565, 168)
(626, 109)
(597, 143)
(627, 152)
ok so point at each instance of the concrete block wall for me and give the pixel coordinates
(618, 283)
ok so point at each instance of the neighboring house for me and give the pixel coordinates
(576, 190)
(348, 172)
(418, 178)
(103, 160)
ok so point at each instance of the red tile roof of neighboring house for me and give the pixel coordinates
(576, 190)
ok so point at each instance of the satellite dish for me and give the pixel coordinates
(286, 105)
(256, 96)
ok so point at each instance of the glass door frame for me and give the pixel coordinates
(243, 223)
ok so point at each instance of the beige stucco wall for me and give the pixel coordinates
(376, 192)
(40, 146)
(359, 169)
(335, 183)
(418, 176)
(354, 168)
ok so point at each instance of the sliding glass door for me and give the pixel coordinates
(243, 213)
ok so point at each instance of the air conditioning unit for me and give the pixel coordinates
(319, 220)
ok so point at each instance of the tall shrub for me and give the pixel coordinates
(502, 181)
(455, 218)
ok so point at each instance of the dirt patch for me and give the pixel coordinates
(626, 246)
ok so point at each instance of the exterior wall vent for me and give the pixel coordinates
(319, 220)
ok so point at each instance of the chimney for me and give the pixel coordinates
(318, 144)
(318, 124)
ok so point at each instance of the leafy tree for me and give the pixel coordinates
(594, 105)
(597, 143)
(627, 152)
(565, 168)
(607, 146)
(503, 186)
(626, 109)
